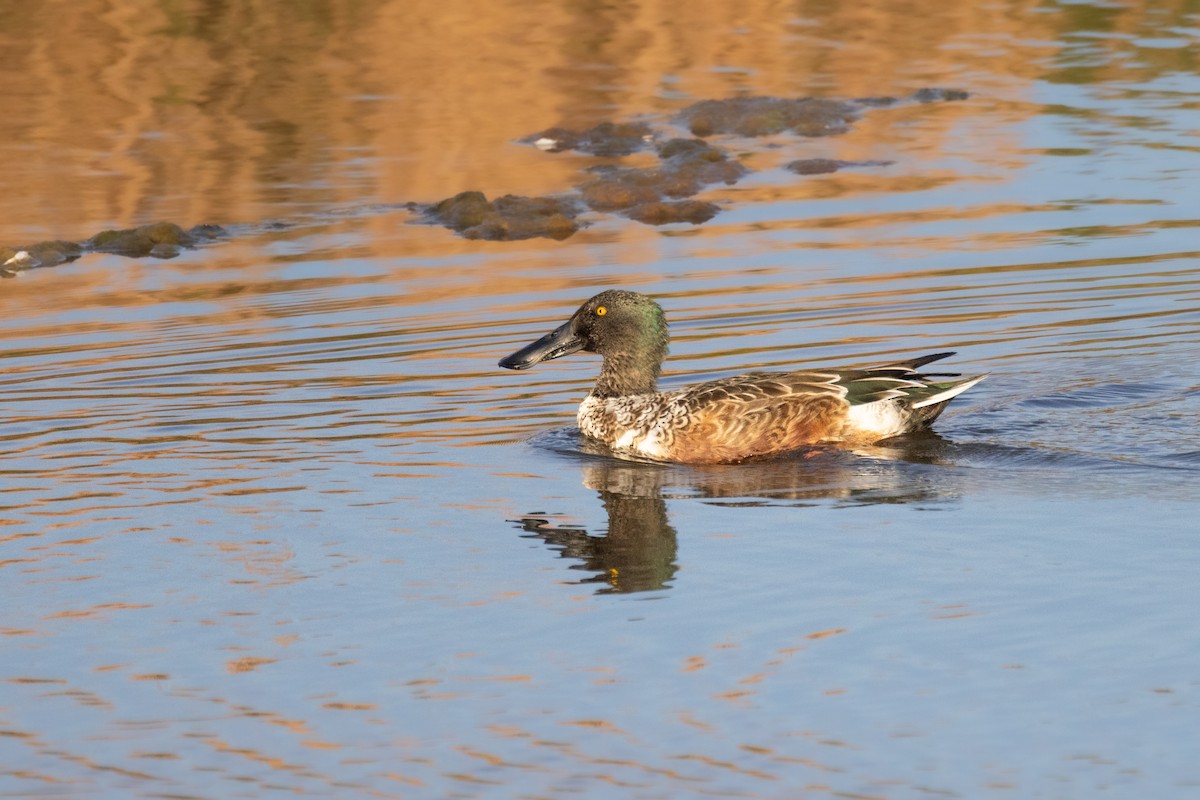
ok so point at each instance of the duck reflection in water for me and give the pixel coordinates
(638, 552)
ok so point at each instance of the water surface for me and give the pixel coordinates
(274, 523)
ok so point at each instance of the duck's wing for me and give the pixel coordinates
(760, 413)
(819, 404)
(769, 388)
(855, 385)
(757, 414)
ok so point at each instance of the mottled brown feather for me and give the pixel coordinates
(758, 414)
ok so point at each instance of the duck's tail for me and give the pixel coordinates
(929, 402)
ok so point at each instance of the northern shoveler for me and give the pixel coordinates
(731, 419)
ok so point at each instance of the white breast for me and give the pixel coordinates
(623, 423)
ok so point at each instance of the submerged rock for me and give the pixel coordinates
(686, 167)
(617, 189)
(157, 240)
(42, 254)
(509, 217)
(939, 95)
(464, 210)
(804, 116)
(695, 212)
(821, 166)
(763, 116)
(605, 139)
(877, 102)
(699, 161)
(929, 95)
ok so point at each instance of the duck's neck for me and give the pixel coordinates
(629, 373)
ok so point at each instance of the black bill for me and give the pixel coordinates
(557, 343)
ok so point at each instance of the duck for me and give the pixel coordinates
(735, 419)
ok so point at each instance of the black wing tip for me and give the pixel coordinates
(916, 363)
(913, 364)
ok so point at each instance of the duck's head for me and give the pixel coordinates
(627, 328)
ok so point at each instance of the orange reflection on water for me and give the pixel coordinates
(214, 380)
(96, 610)
(247, 664)
(160, 115)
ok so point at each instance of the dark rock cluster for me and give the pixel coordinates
(659, 194)
(157, 240)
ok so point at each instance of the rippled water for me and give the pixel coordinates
(275, 523)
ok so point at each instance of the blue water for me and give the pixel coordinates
(274, 523)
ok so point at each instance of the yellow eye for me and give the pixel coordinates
(601, 311)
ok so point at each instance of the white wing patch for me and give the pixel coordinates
(953, 391)
(882, 418)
